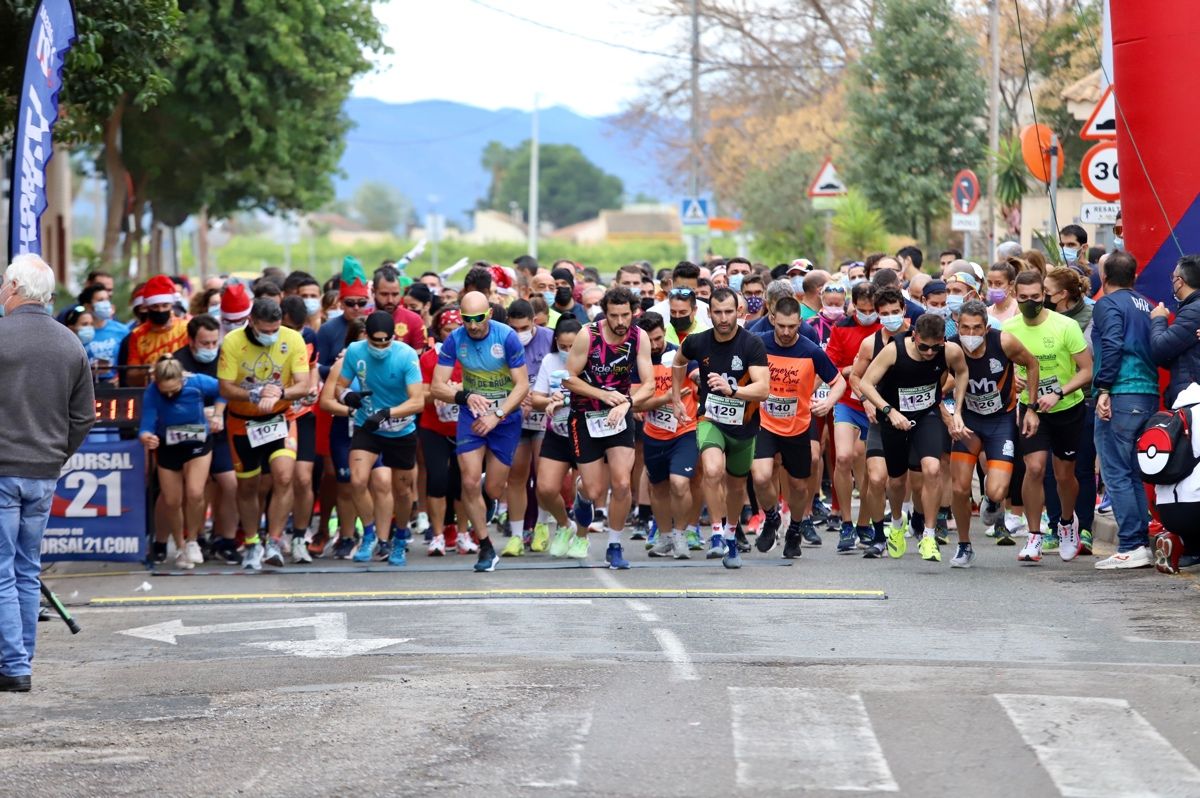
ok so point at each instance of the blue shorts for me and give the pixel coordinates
(502, 441)
(844, 414)
(995, 435)
(339, 449)
(665, 459)
(222, 457)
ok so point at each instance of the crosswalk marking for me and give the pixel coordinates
(794, 739)
(1100, 747)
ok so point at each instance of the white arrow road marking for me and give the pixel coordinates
(329, 635)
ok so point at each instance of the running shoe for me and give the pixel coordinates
(194, 555)
(515, 547)
(897, 545)
(343, 548)
(465, 544)
(755, 523)
(616, 558)
(990, 512)
(866, 536)
(420, 524)
(272, 555)
(1050, 541)
(398, 555)
(1068, 536)
(486, 563)
(809, 532)
(652, 535)
(732, 559)
(225, 551)
(716, 547)
(679, 546)
(1138, 558)
(875, 551)
(847, 540)
(1105, 505)
(791, 542)
(1085, 541)
(450, 533)
(1015, 524)
(562, 541)
(1168, 547)
(819, 510)
(665, 547)
(578, 549)
(316, 546)
(833, 523)
(158, 552)
(766, 534)
(901, 526)
(1156, 528)
(694, 541)
(365, 547)
(963, 557)
(300, 550)
(437, 547)
(928, 548)
(182, 562)
(741, 542)
(640, 530)
(1032, 550)
(941, 529)
(541, 538)
(383, 549)
(253, 559)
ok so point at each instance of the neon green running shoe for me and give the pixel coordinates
(578, 548)
(541, 538)
(896, 543)
(929, 549)
(514, 548)
(562, 541)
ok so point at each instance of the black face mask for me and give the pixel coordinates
(681, 323)
(1030, 308)
(171, 397)
(562, 297)
(647, 303)
(158, 317)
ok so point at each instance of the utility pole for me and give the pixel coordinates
(989, 230)
(533, 181)
(694, 179)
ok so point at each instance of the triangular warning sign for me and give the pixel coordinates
(1102, 124)
(693, 213)
(827, 182)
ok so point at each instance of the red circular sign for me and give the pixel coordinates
(964, 195)
(1098, 171)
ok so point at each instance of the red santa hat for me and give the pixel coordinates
(235, 303)
(159, 290)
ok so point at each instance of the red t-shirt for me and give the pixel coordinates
(429, 416)
(410, 328)
(843, 346)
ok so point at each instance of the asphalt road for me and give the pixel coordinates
(900, 677)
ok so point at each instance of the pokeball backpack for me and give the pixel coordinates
(1165, 455)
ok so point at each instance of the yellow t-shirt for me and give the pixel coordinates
(250, 366)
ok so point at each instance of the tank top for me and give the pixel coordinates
(608, 367)
(991, 388)
(914, 387)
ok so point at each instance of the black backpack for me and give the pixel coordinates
(1164, 448)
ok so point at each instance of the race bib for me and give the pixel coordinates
(445, 412)
(494, 400)
(560, 423)
(186, 433)
(985, 404)
(821, 393)
(914, 400)
(780, 406)
(394, 424)
(534, 421)
(663, 418)
(725, 410)
(598, 426)
(1048, 386)
(261, 433)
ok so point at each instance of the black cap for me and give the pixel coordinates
(380, 321)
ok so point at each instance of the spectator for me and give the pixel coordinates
(1176, 347)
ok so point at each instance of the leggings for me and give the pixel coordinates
(442, 478)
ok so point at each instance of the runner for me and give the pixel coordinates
(989, 414)
(263, 369)
(495, 381)
(734, 378)
(558, 456)
(904, 384)
(161, 333)
(295, 317)
(796, 365)
(438, 426)
(1065, 369)
(600, 369)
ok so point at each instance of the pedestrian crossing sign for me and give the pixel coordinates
(694, 211)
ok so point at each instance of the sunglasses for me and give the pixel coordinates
(930, 347)
(354, 303)
(381, 341)
(681, 292)
(474, 318)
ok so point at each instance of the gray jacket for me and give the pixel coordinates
(47, 405)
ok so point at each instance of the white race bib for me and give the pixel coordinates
(821, 393)
(914, 400)
(598, 426)
(780, 406)
(985, 404)
(725, 410)
(663, 418)
(1048, 386)
(534, 421)
(445, 412)
(186, 433)
(393, 424)
(560, 423)
(494, 400)
(261, 433)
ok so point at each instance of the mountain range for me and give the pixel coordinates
(431, 150)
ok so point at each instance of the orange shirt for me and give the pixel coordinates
(147, 344)
(795, 370)
(661, 423)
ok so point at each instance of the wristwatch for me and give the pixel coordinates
(886, 410)
(1058, 392)
(500, 412)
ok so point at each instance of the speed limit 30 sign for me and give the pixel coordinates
(1098, 171)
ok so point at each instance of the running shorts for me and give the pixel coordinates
(172, 458)
(739, 452)
(904, 451)
(794, 450)
(995, 436)
(676, 457)
(398, 452)
(1059, 433)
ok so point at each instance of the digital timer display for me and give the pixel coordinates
(119, 408)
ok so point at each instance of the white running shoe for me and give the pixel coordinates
(1068, 540)
(1138, 558)
(272, 555)
(253, 557)
(1015, 524)
(194, 555)
(300, 550)
(182, 562)
(420, 524)
(466, 544)
(437, 547)
(1032, 551)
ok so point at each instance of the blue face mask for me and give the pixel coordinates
(266, 340)
(856, 280)
(798, 285)
(312, 306)
(943, 311)
(866, 319)
(1070, 255)
(206, 355)
(377, 353)
(1118, 244)
(102, 310)
(86, 334)
(333, 314)
(892, 323)
(954, 302)
(549, 297)
(735, 281)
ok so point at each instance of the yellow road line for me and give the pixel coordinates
(500, 593)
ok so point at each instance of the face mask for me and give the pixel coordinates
(636, 290)
(377, 353)
(971, 342)
(525, 337)
(856, 280)
(798, 285)
(564, 352)
(647, 303)
(754, 304)
(206, 355)
(943, 312)
(159, 317)
(562, 297)
(1118, 244)
(214, 310)
(102, 310)
(997, 295)
(1070, 255)
(333, 314)
(892, 323)
(312, 306)
(681, 323)
(86, 334)
(833, 312)
(1030, 308)
(549, 297)
(954, 302)
(866, 319)
(735, 281)
(262, 339)
(593, 312)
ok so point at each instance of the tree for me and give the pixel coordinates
(1012, 181)
(497, 159)
(916, 113)
(858, 229)
(571, 188)
(380, 207)
(775, 206)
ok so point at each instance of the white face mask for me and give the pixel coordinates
(971, 342)
(525, 336)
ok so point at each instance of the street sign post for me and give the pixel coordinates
(827, 183)
(964, 194)
(1099, 212)
(1098, 170)
(1102, 124)
(693, 214)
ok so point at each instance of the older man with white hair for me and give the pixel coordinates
(48, 409)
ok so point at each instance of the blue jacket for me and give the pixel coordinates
(1121, 344)
(158, 412)
(1176, 347)
(331, 340)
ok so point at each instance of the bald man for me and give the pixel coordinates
(495, 380)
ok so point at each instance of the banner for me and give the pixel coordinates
(99, 507)
(51, 37)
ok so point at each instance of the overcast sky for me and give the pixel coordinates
(460, 50)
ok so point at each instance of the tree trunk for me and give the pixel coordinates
(115, 176)
(928, 229)
(202, 242)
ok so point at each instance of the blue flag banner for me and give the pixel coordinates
(99, 506)
(51, 37)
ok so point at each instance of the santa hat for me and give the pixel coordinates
(235, 303)
(354, 279)
(503, 279)
(159, 290)
(139, 296)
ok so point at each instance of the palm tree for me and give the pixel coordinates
(1011, 185)
(857, 227)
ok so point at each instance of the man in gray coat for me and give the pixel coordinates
(47, 408)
